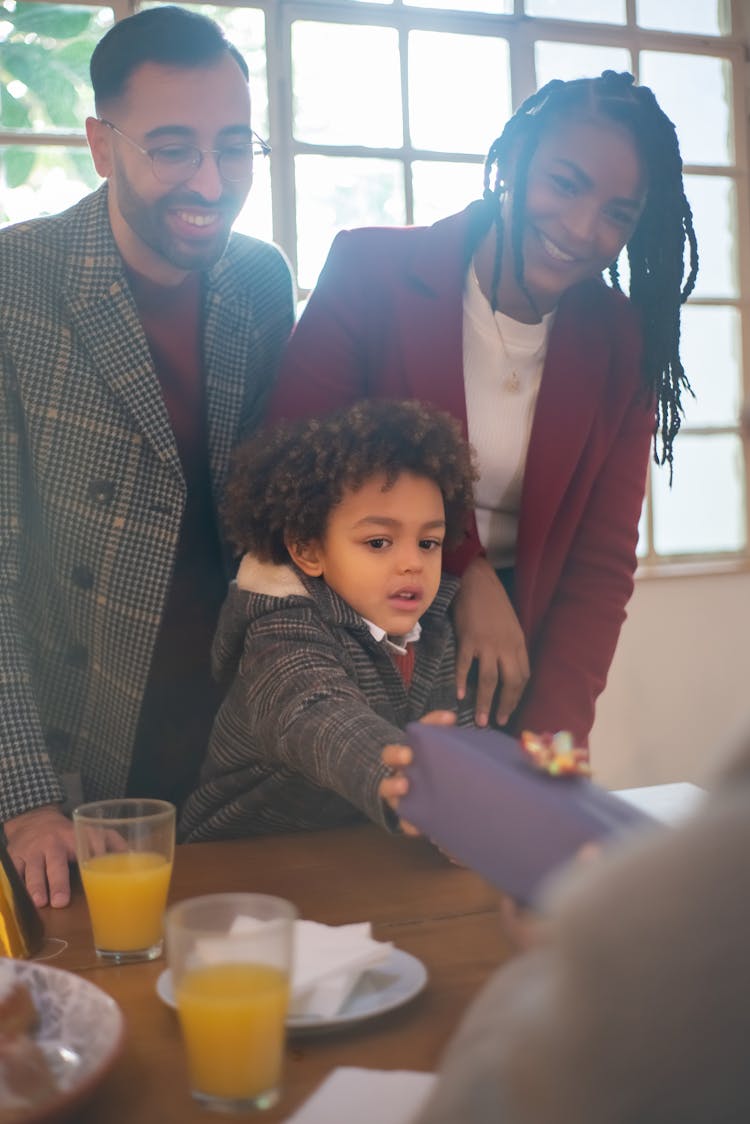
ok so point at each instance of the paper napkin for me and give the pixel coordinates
(328, 960)
(668, 803)
(375, 1096)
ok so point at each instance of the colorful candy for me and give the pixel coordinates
(555, 754)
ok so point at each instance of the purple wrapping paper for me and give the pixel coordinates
(477, 795)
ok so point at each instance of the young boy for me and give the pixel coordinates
(336, 631)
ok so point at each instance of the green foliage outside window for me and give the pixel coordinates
(44, 83)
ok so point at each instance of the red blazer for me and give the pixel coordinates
(386, 320)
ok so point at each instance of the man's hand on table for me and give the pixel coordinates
(41, 844)
(488, 631)
(396, 758)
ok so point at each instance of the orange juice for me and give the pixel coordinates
(126, 893)
(232, 1018)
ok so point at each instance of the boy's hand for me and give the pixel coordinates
(396, 758)
(392, 788)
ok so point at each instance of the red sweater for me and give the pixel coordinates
(181, 698)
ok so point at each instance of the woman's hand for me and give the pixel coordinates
(488, 631)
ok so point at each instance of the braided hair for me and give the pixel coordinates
(656, 247)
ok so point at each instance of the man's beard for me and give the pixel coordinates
(149, 222)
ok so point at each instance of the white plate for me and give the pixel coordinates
(80, 1032)
(393, 983)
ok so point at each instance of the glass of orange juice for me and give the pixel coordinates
(230, 957)
(125, 850)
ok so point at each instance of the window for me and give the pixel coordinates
(381, 111)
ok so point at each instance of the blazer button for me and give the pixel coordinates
(78, 656)
(101, 492)
(82, 577)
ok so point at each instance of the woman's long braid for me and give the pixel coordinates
(655, 250)
(656, 257)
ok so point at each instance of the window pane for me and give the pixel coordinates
(496, 7)
(711, 355)
(334, 193)
(698, 17)
(577, 60)
(36, 180)
(704, 509)
(246, 29)
(346, 85)
(459, 91)
(603, 11)
(441, 189)
(44, 78)
(714, 203)
(696, 92)
(256, 217)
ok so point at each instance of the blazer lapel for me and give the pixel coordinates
(229, 344)
(104, 315)
(574, 379)
(432, 312)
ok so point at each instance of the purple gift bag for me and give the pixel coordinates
(478, 795)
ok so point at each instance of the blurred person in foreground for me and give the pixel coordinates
(138, 340)
(633, 1005)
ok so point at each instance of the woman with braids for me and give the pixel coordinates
(501, 316)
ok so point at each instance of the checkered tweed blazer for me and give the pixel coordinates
(296, 744)
(91, 486)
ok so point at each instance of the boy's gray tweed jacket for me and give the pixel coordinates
(91, 486)
(315, 698)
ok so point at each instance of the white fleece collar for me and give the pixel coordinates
(268, 578)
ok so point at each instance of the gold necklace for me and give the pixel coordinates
(511, 381)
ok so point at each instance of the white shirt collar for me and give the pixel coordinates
(396, 644)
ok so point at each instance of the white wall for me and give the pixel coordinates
(679, 687)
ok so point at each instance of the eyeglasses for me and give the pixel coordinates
(176, 163)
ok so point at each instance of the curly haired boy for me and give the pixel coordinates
(336, 632)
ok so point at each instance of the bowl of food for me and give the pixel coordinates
(59, 1034)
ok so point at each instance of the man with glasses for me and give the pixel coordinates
(138, 340)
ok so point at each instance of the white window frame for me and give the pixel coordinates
(521, 33)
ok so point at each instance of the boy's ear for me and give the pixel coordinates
(308, 556)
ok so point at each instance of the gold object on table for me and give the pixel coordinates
(21, 929)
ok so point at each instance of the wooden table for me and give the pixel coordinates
(414, 897)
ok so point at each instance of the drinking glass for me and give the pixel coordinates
(230, 956)
(125, 850)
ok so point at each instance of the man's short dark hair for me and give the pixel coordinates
(168, 35)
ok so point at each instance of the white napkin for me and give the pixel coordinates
(373, 1096)
(328, 960)
(668, 803)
